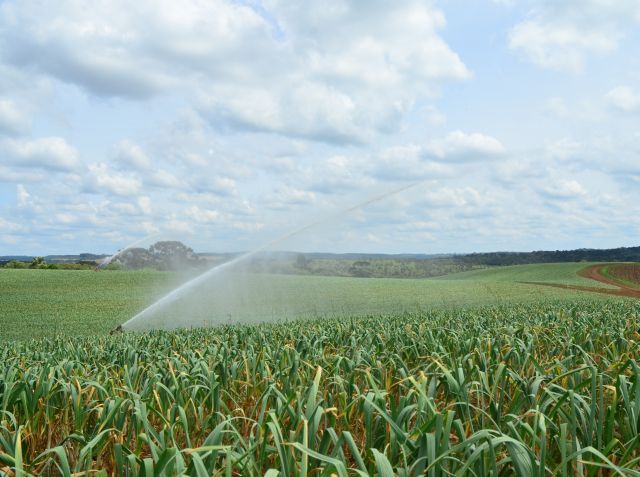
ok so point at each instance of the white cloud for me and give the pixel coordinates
(22, 195)
(164, 178)
(52, 153)
(436, 158)
(443, 197)
(203, 216)
(564, 189)
(562, 47)
(104, 49)
(220, 185)
(459, 146)
(144, 203)
(406, 163)
(131, 155)
(335, 174)
(101, 180)
(624, 99)
(562, 35)
(435, 117)
(349, 72)
(288, 197)
(13, 175)
(10, 227)
(12, 119)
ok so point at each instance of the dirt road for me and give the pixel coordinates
(595, 272)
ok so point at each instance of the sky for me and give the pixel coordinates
(228, 124)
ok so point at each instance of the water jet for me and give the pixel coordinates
(181, 290)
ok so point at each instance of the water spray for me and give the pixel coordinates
(178, 292)
(108, 260)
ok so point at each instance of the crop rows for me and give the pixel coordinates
(530, 390)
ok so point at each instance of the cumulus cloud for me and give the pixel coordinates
(337, 74)
(443, 197)
(406, 163)
(562, 35)
(144, 203)
(51, 153)
(101, 179)
(202, 215)
(13, 175)
(10, 227)
(104, 50)
(286, 198)
(560, 46)
(463, 147)
(12, 119)
(131, 155)
(22, 195)
(335, 174)
(436, 158)
(165, 179)
(356, 71)
(624, 99)
(564, 189)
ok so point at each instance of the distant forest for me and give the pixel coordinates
(623, 254)
(176, 256)
(424, 266)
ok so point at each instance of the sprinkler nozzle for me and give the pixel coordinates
(117, 330)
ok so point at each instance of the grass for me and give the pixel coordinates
(563, 273)
(37, 303)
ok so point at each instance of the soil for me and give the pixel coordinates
(630, 273)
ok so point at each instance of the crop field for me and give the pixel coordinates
(475, 374)
(46, 303)
(627, 273)
(526, 390)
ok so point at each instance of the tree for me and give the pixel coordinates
(15, 264)
(360, 268)
(38, 262)
(136, 258)
(172, 255)
(302, 261)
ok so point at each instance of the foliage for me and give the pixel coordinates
(514, 390)
(166, 255)
(38, 262)
(373, 268)
(16, 264)
(622, 254)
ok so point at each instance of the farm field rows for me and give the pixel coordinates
(39, 303)
(524, 390)
(475, 373)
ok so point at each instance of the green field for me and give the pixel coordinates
(472, 374)
(36, 303)
(522, 390)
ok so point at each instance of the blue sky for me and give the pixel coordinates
(228, 124)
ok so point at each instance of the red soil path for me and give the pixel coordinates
(594, 272)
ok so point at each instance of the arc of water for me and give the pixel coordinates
(179, 291)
